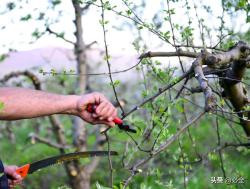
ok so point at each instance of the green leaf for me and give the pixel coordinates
(3, 57)
(129, 12)
(1, 106)
(26, 18)
(41, 16)
(10, 5)
(222, 102)
(166, 35)
(71, 71)
(36, 34)
(41, 70)
(140, 27)
(56, 2)
(98, 186)
(102, 22)
(179, 108)
(61, 35)
(53, 72)
(116, 83)
(106, 58)
(242, 3)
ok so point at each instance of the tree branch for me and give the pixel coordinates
(37, 138)
(162, 147)
(108, 57)
(58, 35)
(30, 75)
(179, 52)
(161, 90)
(210, 102)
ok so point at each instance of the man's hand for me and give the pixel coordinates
(105, 111)
(10, 171)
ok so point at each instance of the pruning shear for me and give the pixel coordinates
(119, 122)
(30, 168)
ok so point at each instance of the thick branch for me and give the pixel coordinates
(199, 75)
(169, 54)
(236, 92)
(240, 51)
(30, 75)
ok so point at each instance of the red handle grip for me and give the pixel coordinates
(23, 171)
(117, 121)
(92, 107)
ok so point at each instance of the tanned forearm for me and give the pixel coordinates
(27, 103)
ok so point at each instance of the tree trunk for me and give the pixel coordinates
(79, 177)
(235, 91)
(81, 181)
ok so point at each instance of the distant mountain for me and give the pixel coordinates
(60, 59)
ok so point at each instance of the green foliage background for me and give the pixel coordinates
(166, 170)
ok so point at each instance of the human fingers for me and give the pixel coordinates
(112, 114)
(92, 98)
(11, 184)
(106, 110)
(11, 171)
(100, 107)
(95, 98)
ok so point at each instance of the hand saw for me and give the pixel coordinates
(30, 168)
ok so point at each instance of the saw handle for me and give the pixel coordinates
(22, 171)
(92, 107)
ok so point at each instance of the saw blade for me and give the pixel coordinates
(65, 158)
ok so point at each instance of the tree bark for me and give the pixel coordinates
(235, 91)
(80, 176)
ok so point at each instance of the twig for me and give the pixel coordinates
(184, 165)
(94, 74)
(58, 35)
(107, 56)
(200, 47)
(173, 34)
(37, 138)
(110, 162)
(162, 147)
(161, 90)
(200, 24)
(219, 143)
(140, 23)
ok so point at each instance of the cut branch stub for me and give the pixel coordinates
(240, 51)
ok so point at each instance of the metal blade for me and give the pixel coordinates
(66, 157)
